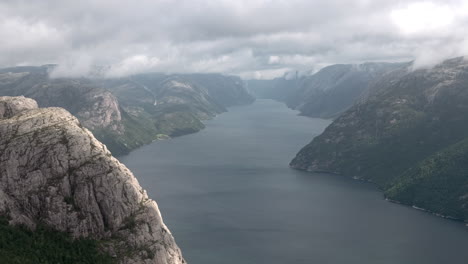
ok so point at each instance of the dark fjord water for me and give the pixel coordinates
(228, 196)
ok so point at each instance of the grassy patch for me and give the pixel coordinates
(19, 245)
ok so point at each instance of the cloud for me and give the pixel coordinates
(24, 41)
(77, 65)
(132, 65)
(423, 17)
(251, 38)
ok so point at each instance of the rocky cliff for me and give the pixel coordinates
(54, 172)
(94, 106)
(409, 137)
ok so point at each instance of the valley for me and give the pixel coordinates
(397, 132)
(229, 197)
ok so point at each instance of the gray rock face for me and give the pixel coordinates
(101, 111)
(53, 170)
(10, 106)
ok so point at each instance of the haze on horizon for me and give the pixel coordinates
(259, 39)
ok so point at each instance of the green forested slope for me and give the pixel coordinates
(413, 119)
(19, 245)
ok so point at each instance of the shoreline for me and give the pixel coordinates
(464, 222)
(162, 137)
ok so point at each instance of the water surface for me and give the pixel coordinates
(228, 196)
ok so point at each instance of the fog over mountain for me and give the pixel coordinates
(253, 39)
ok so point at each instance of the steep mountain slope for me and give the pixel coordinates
(409, 137)
(53, 172)
(129, 112)
(328, 92)
(179, 102)
(335, 88)
(96, 107)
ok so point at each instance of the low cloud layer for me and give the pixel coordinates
(250, 38)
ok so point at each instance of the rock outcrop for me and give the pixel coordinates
(10, 105)
(54, 172)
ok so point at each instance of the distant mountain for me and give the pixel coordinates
(279, 89)
(126, 113)
(409, 137)
(328, 92)
(225, 90)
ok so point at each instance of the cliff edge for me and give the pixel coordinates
(54, 172)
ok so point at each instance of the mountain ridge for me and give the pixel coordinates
(395, 137)
(328, 92)
(129, 112)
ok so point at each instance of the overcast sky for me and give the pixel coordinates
(250, 38)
